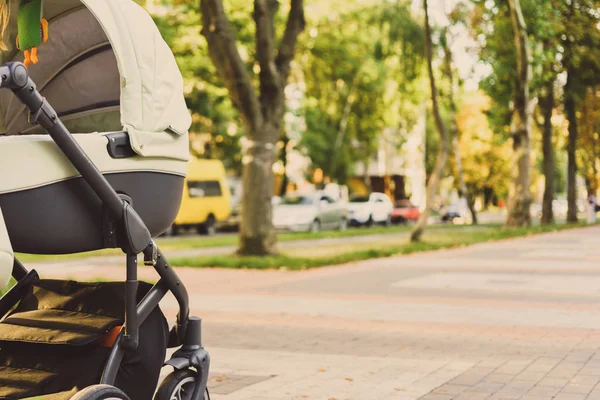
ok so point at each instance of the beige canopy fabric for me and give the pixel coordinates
(105, 68)
(7, 255)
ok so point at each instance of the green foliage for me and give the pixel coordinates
(589, 137)
(368, 62)
(484, 152)
(216, 129)
(580, 46)
(492, 25)
(563, 35)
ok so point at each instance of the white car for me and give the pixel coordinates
(375, 208)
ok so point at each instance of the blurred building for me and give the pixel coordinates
(398, 167)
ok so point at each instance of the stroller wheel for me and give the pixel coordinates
(179, 385)
(100, 392)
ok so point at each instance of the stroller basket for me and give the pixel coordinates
(115, 184)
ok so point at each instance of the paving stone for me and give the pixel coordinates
(473, 395)
(437, 396)
(578, 388)
(570, 396)
(450, 389)
(507, 320)
(547, 391)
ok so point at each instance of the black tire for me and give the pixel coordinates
(208, 228)
(388, 221)
(100, 392)
(172, 231)
(182, 380)
(315, 226)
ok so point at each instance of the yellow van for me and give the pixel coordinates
(206, 200)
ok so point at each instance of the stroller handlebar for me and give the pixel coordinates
(14, 75)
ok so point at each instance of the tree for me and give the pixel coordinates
(262, 113)
(589, 138)
(519, 204)
(547, 105)
(570, 103)
(442, 157)
(345, 87)
(484, 151)
(546, 29)
(216, 130)
(361, 70)
(580, 41)
(462, 186)
(492, 27)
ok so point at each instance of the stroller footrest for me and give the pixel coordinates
(56, 327)
(21, 380)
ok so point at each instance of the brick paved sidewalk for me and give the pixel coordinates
(513, 320)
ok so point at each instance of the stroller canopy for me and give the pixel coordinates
(104, 68)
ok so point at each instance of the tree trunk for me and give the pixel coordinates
(488, 197)
(462, 186)
(571, 112)
(547, 105)
(261, 113)
(341, 133)
(442, 156)
(594, 185)
(284, 162)
(519, 204)
(464, 192)
(257, 235)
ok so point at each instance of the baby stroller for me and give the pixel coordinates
(104, 72)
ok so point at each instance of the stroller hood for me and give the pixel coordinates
(109, 59)
(6, 254)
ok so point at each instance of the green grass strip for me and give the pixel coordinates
(458, 237)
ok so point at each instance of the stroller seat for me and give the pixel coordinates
(48, 207)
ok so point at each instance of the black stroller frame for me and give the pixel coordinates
(135, 239)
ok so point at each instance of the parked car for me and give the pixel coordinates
(404, 211)
(205, 201)
(309, 213)
(457, 213)
(375, 208)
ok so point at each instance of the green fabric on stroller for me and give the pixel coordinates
(63, 320)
